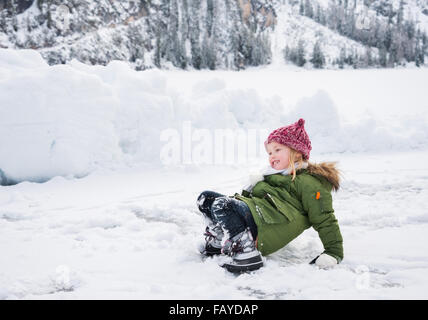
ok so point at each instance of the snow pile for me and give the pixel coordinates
(328, 134)
(54, 121)
(70, 120)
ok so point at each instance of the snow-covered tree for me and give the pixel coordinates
(317, 58)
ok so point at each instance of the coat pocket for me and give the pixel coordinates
(267, 212)
(283, 207)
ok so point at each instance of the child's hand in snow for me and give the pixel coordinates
(324, 261)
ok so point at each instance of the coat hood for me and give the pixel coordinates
(327, 170)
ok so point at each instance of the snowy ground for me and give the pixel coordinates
(129, 227)
(134, 235)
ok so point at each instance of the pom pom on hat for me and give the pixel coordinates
(293, 136)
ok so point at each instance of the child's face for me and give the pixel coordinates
(279, 155)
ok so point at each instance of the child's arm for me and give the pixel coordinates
(317, 202)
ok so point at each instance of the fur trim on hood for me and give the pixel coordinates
(327, 170)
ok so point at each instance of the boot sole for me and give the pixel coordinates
(246, 265)
(211, 251)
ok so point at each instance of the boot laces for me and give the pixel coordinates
(236, 247)
(233, 247)
(209, 236)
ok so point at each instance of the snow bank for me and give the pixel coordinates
(329, 134)
(70, 120)
(54, 121)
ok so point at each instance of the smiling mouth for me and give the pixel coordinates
(274, 163)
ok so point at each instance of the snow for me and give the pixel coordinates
(83, 118)
(112, 220)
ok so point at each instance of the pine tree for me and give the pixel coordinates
(136, 47)
(183, 33)
(296, 54)
(355, 60)
(317, 17)
(424, 49)
(390, 13)
(410, 29)
(383, 58)
(194, 32)
(342, 57)
(418, 60)
(301, 8)
(208, 53)
(222, 34)
(318, 59)
(172, 43)
(392, 56)
(209, 16)
(322, 17)
(264, 44)
(400, 14)
(309, 11)
(158, 49)
(424, 44)
(235, 35)
(14, 13)
(369, 57)
(388, 37)
(3, 21)
(419, 52)
(301, 60)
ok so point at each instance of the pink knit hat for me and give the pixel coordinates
(293, 136)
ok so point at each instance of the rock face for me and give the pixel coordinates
(227, 34)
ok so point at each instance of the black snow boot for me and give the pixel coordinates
(245, 256)
(213, 237)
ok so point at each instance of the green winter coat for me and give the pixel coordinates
(283, 209)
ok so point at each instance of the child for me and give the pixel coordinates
(291, 196)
